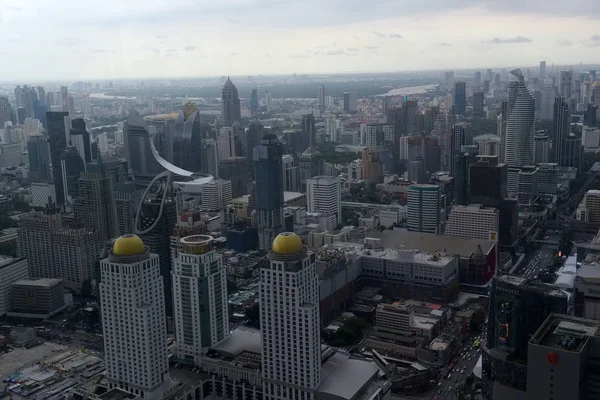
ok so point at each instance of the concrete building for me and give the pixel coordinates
(324, 195)
(200, 308)
(216, 194)
(591, 206)
(474, 221)
(42, 194)
(350, 102)
(291, 174)
(11, 270)
(400, 316)
(355, 170)
(76, 253)
(561, 356)
(541, 149)
(528, 185)
(37, 298)
(488, 144)
(547, 179)
(127, 201)
(291, 346)
(423, 209)
(36, 241)
(226, 143)
(371, 167)
(134, 320)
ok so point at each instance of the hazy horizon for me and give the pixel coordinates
(95, 39)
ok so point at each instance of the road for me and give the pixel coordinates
(540, 259)
(445, 390)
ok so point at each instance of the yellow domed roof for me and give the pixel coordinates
(128, 245)
(287, 243)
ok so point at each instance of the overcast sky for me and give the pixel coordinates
(70, 39)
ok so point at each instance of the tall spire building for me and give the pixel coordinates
(230, 104)
(268, 171)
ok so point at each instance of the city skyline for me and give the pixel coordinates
(162, 40)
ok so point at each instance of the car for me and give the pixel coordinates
(462, 371)
(449, 388)
(439, 391)
(436, 398)
(449, 376)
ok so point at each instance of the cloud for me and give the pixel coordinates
(388, 35)
(595, 38)
(161, 37)
(371, 47)
(517, 39)
(101, 51)
(190, 48)
(67, 42)
(234, 54)
(171, 50)
(333, 53)
(298, 56)
(13, 8)
(351, 49)
(565, 43)
(444, 44)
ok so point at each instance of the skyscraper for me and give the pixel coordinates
(210, 157)
(460, 97)
(350, 102)
(75, 254)
(517, 308)
(478, 99)
(457, 140)
(138, 150)
(324, 195)
(227, 145)
(127, 201)
(230, 104)
(39, 158)
(423, 209)
(520, 127)
(268, 172)
(154, 226)
(543, 69)
(311, 164)
(566, 84)
(561, 124)
(133, 320)
(35, 241)
(321, 97)
(200, 309)
(291, 345)
(72, 166)
(254, 101)
(95, 203)
(462, 164)
(58, 130)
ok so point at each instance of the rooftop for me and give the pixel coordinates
(43, 282)
(344, 377)
(464, 247)
(241, 339)
(564, 332)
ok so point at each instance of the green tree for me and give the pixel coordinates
(477, 319)
(86, 288)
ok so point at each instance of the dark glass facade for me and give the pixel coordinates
(57, 140)
(517, 308)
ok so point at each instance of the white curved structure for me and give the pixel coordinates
(188, 186)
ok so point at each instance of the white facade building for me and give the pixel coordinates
(133, 319)
(226, 143)
(11, 270)
(199, 298)
(423, 209)
(324, 195)
(474, 222)
(289, 321)
(216, 194)
(291, 174)
(355, 170)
